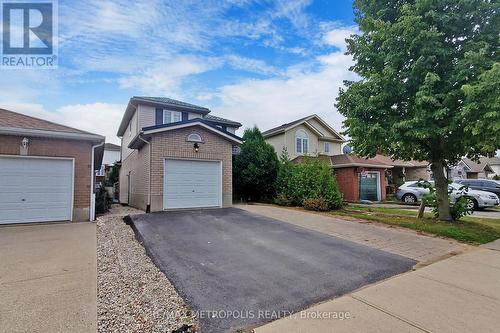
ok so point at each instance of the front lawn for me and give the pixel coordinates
(470, 229)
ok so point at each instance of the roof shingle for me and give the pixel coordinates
(18, 120)
(166, 100)
(216, 119)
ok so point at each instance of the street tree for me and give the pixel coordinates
(429, 83)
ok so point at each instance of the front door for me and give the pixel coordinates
(369, 186)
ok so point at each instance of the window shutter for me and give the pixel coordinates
(184, 116)
(159, 116)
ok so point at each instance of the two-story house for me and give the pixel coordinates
(358, 178)
(175, 155)
(310, 136)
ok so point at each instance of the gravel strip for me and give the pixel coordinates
(132, 294)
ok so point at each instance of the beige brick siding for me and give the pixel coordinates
(417, 174)
(172, 144)
(135, 166)
(79, 150)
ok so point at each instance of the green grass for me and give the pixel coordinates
(469, 229)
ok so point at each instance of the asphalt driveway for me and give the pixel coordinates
(238, 269)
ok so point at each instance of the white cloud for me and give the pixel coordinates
(251, 65)
(337, 36)
(293, 10)
(271, 102)
(167, 76)
(98, 118)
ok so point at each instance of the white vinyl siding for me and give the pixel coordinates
(171, 116)
(192, 184)
(35, 189)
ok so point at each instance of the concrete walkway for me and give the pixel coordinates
(48, 278)
(459, 294)
(405, 242)
(487, 213)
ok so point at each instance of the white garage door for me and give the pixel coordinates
(192, 184)
(35, 189)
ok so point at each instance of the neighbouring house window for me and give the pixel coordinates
(171, 116)
(326, 147)
(194, 137)
(130, 128)
(301, 142)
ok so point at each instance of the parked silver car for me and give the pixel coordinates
(412, 192)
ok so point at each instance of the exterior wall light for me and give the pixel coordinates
(25, 142)
(196, 147)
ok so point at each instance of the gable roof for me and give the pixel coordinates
(400, 163)
(220, 120)
(494, 160)
(477, 166)
(282, 128)
(20, 124)
(351, 160)
(146, 132)
(170, 101)
(111, 146)
(163, 102)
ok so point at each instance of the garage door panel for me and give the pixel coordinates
(192, 184)
(35, 190)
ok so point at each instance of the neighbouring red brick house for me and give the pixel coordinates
(46, 170)
(360, 178)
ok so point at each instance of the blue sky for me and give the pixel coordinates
(257, 62)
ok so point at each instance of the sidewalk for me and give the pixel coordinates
(459, 294)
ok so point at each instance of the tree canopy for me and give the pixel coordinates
(429, 83)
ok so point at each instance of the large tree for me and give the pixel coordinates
(429, 82)
(256, 167)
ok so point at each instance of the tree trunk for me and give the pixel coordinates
(441, 184)
(421, 210)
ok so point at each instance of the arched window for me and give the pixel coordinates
(301, 142)
(194, 137)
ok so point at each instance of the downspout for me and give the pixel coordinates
(148, 207)
(92, 175)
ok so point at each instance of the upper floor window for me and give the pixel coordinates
(130, 128)
(171, 116)
(326, 147)
(301, 142)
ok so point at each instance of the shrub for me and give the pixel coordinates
(313, 179)
(458, 209)
(282, 200)
(318, 204)
(255, 168)
(102, 201)
(113, 175)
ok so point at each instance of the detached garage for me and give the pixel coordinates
(46, 170)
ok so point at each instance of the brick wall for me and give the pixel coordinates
(79, 150)
(173, 144)
(348, 180)
(417, 174)
(348, 183)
